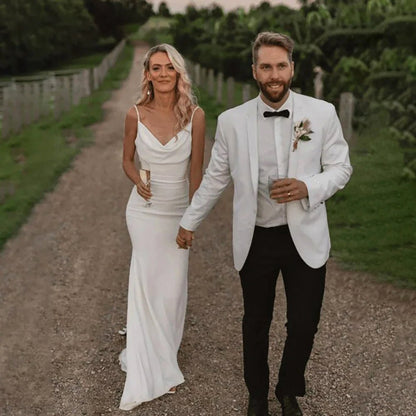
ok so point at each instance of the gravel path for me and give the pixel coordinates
(63, 287)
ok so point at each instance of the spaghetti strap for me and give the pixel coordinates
(193, 112)
(137, 111)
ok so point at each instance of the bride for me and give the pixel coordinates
(167, 129)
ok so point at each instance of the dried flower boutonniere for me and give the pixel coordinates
(302, 129)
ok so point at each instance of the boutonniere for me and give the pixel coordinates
(302, 129)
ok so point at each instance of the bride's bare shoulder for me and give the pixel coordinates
(197, 114)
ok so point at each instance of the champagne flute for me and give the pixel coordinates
(145, 178)
(271, 179)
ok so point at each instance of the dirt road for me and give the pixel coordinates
(63, 287)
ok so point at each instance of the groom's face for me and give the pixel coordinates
(273, 72)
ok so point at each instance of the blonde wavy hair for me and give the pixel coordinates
(185, 99)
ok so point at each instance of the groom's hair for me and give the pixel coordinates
(272, 39)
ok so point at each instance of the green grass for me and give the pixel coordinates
(211, 108)
(87, 61)
(373, 220)
(154, 31)
(31, 162)
(130, 29)
(81, 62)
(156, 22)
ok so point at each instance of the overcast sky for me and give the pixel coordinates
(178, 6)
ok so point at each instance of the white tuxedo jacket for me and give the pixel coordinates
(322, 164)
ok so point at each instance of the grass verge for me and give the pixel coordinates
(89, 59)
(31, 162)
(372, 221)
(211, 108)
(154, 31)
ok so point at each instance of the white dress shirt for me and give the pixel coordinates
(274, 135)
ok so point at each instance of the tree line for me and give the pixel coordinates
(366, 47)
(37, 34)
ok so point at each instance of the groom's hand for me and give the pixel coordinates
(184, 238)
(288, 189)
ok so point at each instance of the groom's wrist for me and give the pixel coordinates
(186, 226)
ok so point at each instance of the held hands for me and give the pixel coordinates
(288, 190)
(184, 238)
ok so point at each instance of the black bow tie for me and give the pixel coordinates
(283, 113)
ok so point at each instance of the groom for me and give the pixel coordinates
(286, 155)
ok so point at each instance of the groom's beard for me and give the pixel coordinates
(274, 97)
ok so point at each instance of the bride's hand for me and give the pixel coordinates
(184, 238)
(143, 190)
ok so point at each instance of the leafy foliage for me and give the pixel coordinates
(34, 34)
(37, 34)
(365, 47)
(163, 10)
(111, 15)
(154, 31)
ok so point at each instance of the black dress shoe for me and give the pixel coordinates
(258, 407)
(290, 406)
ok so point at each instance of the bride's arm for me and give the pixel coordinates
(197, 154)
(129, 149)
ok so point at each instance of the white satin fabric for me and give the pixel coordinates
(157, 293)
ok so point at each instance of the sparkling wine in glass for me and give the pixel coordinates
(271, 179)
(145, 178)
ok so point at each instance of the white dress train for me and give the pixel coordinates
(157, 292)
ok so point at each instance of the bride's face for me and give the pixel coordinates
(161, 73)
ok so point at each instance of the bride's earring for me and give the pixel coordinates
(149, 87)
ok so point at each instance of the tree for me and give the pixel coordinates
(37, 33)
(364, 46)
(163, 10)
(111, 15)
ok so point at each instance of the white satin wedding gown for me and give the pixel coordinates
(157, 292)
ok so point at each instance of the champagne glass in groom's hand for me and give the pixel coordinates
(273, 181)
(284, 189)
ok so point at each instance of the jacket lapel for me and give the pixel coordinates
(298, 114)
(251, 129)
(252, 137)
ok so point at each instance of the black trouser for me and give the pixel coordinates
(272, 250)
